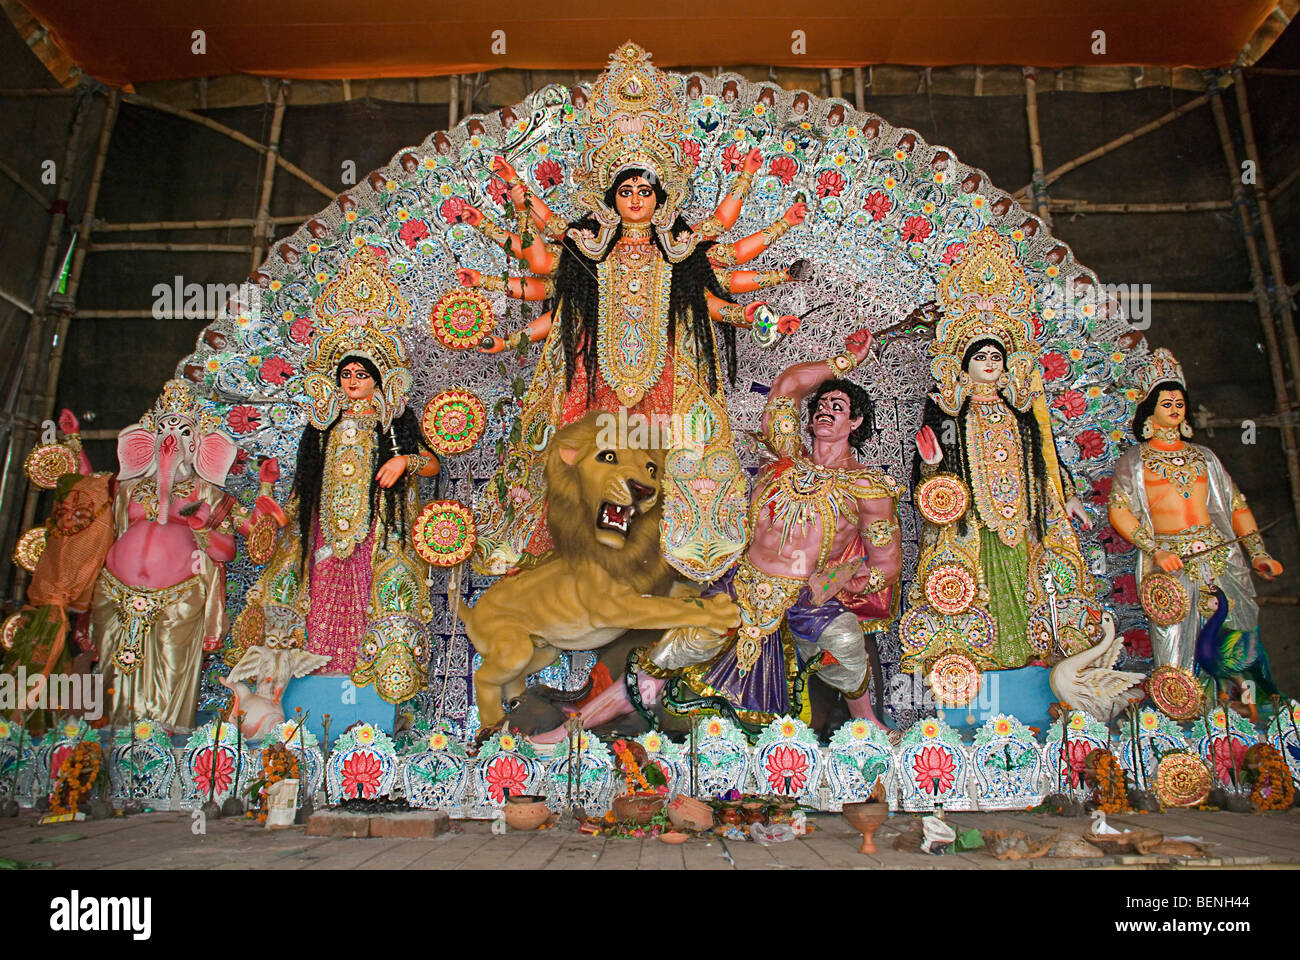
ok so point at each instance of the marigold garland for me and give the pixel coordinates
(278, 763)
(1273, 789)
(77, 776)
(1111, 793)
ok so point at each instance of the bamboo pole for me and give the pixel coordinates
(837, 82)
(22, 305)
(860, 88)
(1038, 189)
(1272, 72)
(143, 313)
(1281, 186)
(22, 93)
(262, 232)
(1109, 147)
(453, 100)
(1280, 296)
(23, 185)
(176, 225)
(1087, 206)
(235, 135)
(1284, 406)
(1179, 295)
(171, 247)
(27, 428)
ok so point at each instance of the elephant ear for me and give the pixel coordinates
(249, 665)
(214, 457)
(137, 449)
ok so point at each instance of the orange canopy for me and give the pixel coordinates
(136, 41)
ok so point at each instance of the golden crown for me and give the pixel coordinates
(634, 121)
(986, 294)
(1159, 367)
(360, 313)
(179, 400)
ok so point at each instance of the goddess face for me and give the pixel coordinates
(635, 200)
(1171, 408)
(356, 381)
(831, 421)
(986, 364)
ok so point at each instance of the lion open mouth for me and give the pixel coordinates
(615, 516)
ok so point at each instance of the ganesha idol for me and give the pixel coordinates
(159, 602)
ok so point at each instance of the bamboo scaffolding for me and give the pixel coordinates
(1087, 206)
(140, 247)
(227, 224)
(48, 396)
(23, 185)
(32, 366)
(1110, 146)
(1272, 72)
(859, 88)
(143, 313)
(1179, 295)
(22, 93)
(22, 305)
(1284, 407)
(235, 135)
(262, 231)
(1038, 188)
(1280, 296)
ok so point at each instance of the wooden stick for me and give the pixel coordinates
(1280, 297)
(262, 231)
(1177, 295)
(1038, 188)
(1272, 72)
(1281, 186)
(232, 223)
(1087, 206)
(21, 93)
(859, 88)
(235, 135)
(1053, 175)
(1283, 399)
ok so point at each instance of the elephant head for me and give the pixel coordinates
(172, 441)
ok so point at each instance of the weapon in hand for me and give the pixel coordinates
(1196, 555)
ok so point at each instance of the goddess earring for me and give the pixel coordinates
(1003, 380)
(1148, 431)
(1185, 429)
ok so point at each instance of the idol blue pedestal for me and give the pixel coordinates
(1023, 693)
(344, 701)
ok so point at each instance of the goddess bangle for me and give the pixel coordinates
(492, 282)
(734, 313)
(842, 363)
(1254, 545)
(554, 227)
(775, 231)
(494, 233)
(742, 184)
(1143, 540)
(415, 462)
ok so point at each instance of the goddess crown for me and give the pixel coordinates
(360, 313)
(1159, 367)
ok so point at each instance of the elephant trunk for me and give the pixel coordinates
(167, 462)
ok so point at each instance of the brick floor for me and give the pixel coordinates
(166, 840)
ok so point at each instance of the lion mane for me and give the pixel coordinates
(570, 517)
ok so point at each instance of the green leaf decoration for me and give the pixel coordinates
(873, 767)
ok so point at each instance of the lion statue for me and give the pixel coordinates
(605, 575)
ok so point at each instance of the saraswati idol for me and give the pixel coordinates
(344, 574)
(997, 549)
(637, 292)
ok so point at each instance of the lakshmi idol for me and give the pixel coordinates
(638, 291)
(1174, 500)
(344, 569)
(996, 502)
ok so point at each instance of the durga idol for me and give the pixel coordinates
(637, 293)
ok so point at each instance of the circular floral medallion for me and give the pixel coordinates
(461, 318)
(1164, 598)
(260, 542)
(453, 421)
(1182, 780)
(444, 533)
(28, 550)
(950, 588)
(954, 679)
(1176, 693)
(914, 630)
(47, 462)
(11, 627)
(942, 499)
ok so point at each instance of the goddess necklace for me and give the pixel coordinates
(1182, 467)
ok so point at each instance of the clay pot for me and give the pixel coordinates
(866, 818)
(687, 813)
(526, 813)
(637, 809)
(673, 836)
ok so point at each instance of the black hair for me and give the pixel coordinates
(956, 456)
(860, 405)
(1148, 406)
(310, 468)
(578, 292)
